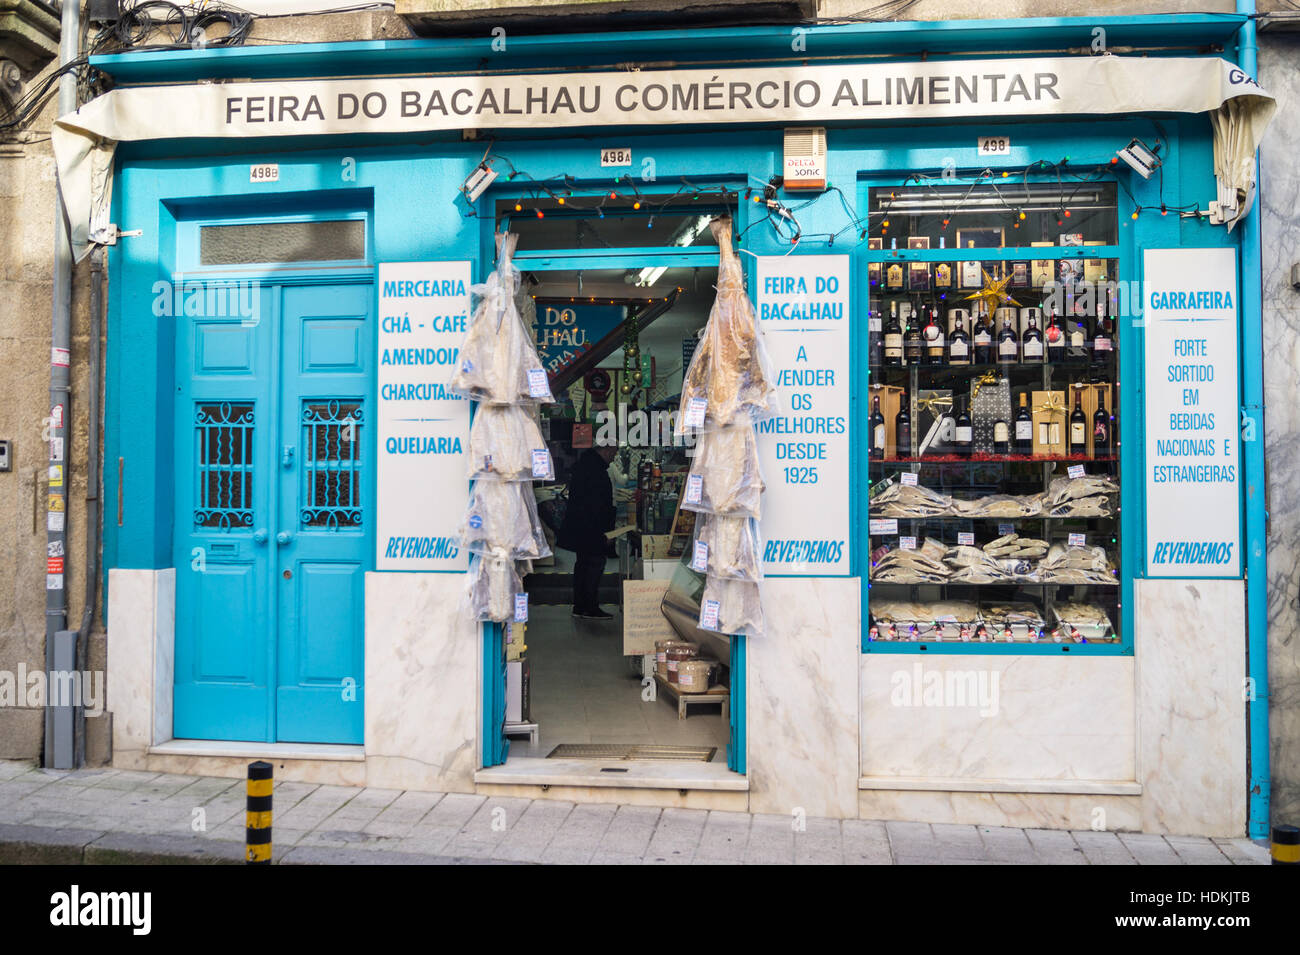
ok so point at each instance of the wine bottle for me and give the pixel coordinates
(1101, 428)
(958, 342)
(1031, 344)
(1024, 428)
(875, 347)
(983, 339)
(1079, 343)
(1103, 341)
(893, 338)
(1001, 437)
(903, 428)
(1078, 426)
(933, 335)
(1055, 336)
(1008, 342)
(913, 349)
(963, 435)
(877, 430)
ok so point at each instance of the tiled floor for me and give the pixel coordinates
(585, 691)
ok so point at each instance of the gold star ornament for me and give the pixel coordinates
(994, 293)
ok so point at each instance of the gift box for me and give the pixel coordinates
(990, 401)
(1091, 391)
(875, 244)
(1050, 416)
(933, 422)
(891, 397)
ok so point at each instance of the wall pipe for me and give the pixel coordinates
(56, 597)
(1252, 367)
(94, 477)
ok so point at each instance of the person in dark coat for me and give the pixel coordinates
(589, 514)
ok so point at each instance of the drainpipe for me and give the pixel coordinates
(1252, 367)
(59, 732)
(93, 478)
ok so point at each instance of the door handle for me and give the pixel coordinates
(283, 537)
(259, 536)
(286, 456)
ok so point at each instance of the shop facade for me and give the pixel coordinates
(254, 290)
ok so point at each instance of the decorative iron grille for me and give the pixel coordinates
(223, 434)
(331, 442)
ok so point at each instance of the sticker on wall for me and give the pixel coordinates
(56, 503)
(60, 357)
(56, 475)
(54, 521)
(53, 581)
(54, 565)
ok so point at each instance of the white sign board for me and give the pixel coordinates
(1193, 479)
(423, 429)
(803, 309)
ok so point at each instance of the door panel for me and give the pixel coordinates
(324, 520)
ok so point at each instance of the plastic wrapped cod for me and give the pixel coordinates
(490, 589)
(726, 470)
(737, 604)
(498, 362)
(501, 521)
(502, 442)
(733, 546)
(730, 371)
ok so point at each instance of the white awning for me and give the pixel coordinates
(959, 89)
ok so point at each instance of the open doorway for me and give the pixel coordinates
(610, 665)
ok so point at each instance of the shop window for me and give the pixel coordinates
(223, 433)
(994, 459)
(334, 240)
(331, 464)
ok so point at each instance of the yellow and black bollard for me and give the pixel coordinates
(1286, 845)
(257, 831)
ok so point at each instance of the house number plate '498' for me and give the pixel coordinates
(616, 156)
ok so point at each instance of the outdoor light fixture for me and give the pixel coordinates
(1143, 160)
(683, 237)
(478, 181)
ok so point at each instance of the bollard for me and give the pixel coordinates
(257, 831)
(1286, 845)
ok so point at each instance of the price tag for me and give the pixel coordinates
(1078, 540)
(695, 409)
(994, 145)
(966, 538)
(541, 463)
(1075, 470)
(700, 560)
(616, 156)
(709, 615)
(537, 386)
(694, 489)
(1005, 528)
(881, 526)
(264, 172)
(908, 478)
(907, 543)
(521, 608)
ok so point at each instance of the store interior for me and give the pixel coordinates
(615, 342)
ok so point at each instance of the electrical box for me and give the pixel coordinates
(805, 157)
(6, 456)
(103, 11)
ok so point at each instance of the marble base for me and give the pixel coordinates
(625, 774)
(1019, 810)
(140, 653)
(661, 798)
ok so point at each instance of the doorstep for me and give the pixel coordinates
(965, 784)
(614, 774)
(247, 750)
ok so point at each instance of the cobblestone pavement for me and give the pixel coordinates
(107, 815)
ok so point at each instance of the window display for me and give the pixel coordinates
(993, 455)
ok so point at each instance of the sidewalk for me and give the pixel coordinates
(111, 816)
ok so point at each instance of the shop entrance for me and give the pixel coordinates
(615, 326)
(272, 516)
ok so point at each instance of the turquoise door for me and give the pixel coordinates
(274, 507)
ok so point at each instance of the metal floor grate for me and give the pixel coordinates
(701, 754)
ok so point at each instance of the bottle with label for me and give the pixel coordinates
(964, 434)
(1103, 337)
(893, 338)
(942, 271)
(982, 338)
(903, 428)
(913, 346)
(1101, 428)
(1031, 344)
(1008, 342)
(877, 451)
(1024, 428)
(959, 342)
(933, 335)
(1078, 426)
(875, 346)
(1001, 437)
(1055, 336)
